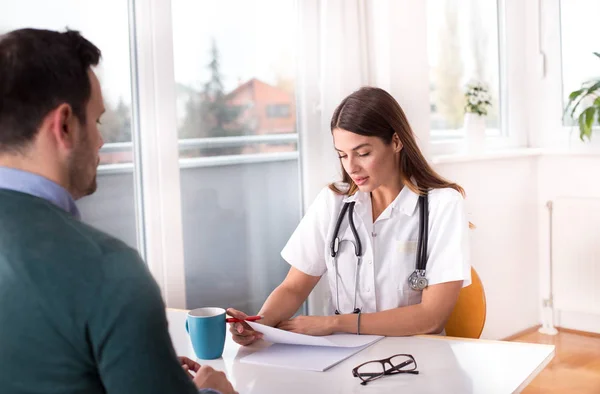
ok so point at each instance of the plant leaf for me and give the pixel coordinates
(582, 126)
(597, 54)
(576, 94)
(577, 102)
(593, 88)
(576, 97)
(589, 116)
(586, 119)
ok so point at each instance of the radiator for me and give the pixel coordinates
(576, 254)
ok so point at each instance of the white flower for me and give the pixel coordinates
(477, 96)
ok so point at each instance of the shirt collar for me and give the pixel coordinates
(351, 198)
(38, 186)
(405, 202)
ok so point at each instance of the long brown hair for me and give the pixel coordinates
(373, 112)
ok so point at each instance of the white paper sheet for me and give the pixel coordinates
(308, 358)
(276, 335)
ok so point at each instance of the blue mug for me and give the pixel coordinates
(206, 327)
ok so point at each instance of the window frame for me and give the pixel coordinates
(156, 110)
(509, 137)
(158, 151)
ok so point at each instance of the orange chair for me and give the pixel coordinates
(468, 317)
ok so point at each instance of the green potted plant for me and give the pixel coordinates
(587, 101)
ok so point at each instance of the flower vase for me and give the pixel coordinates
(474, 125)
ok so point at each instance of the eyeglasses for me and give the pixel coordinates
(371, 370)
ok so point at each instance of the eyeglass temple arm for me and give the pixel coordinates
(398, 367)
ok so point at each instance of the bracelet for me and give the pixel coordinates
(358, 324)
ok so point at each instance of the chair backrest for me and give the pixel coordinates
(468, 317)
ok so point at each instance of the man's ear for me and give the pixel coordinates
(63, 123)
(397, 143)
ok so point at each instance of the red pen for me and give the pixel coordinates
(249, 318)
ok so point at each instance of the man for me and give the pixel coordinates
(79, 311)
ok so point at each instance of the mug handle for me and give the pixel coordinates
(186, 326)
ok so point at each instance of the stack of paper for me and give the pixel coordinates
(298, 351)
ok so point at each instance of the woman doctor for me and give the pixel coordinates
(369, 265)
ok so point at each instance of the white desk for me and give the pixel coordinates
(446, 366)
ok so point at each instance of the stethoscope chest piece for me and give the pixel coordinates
(417, 280)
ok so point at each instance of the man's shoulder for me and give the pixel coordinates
(62, 235)
(84, 236)
(113, 256)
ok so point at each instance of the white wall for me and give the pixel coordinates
(572, 170)
(565, 175)
(506, 199)
(502, 200)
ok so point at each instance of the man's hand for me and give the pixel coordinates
(189, 365)
(309, 325)
(208, 378)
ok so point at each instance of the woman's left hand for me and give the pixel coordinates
(309, 325)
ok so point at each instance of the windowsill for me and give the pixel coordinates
(456, 147)
(512, 153)
(581, 152)
(487, 155)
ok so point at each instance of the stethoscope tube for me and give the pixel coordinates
(337, 292)
(358, 250)
(423, 234)
(335, 247)
(417, 280)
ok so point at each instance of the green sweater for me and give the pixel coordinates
(79, 310)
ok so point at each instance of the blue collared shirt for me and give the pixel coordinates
(37, 185)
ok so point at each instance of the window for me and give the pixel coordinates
(278, 111)
(579, 32)
(463, 45)
(235, 80)
(113, 207)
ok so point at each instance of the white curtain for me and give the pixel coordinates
(333, 61)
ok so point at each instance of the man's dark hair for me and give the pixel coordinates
(40, 70)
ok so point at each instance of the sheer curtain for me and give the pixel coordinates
(333, 63)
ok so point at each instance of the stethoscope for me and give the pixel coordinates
(417, 280)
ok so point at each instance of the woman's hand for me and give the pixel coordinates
(309, 325)
(242, 333)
